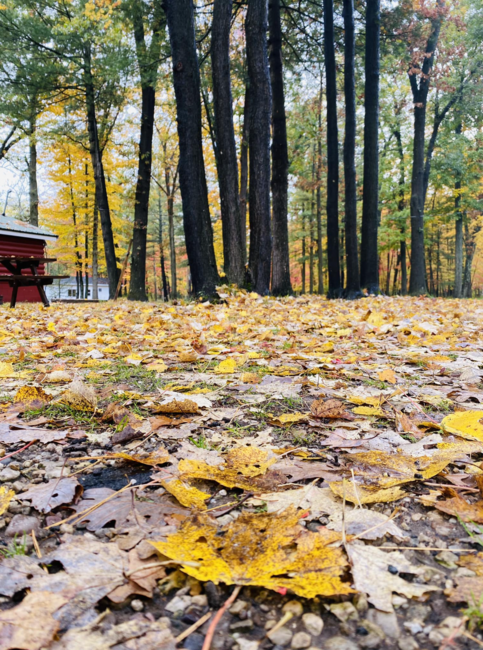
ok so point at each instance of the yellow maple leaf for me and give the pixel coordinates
(29, 394)
(228, 366)
(387, 375)
(369, 410)
(271, 551)
(6, 496)
(467, 424)
(288, 418)
(187, 495)
(6, 370)
(157, 366)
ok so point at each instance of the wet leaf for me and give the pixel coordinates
(467, 424)
(187, 495)
(270, 551)
(157, 457)
(453, 504)
(6, 495)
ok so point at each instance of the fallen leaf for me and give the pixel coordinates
(366, 524)
(157, 366)
(44, 497)
(57, 377)
(387, 375)
(6, 370)
(369, 410)
(79, 397)
(13, 433)
(287, 419)
(332, 409)
(363, 495)
(454, 505)
(29, 394)
(183, 405)
(157, 457)
(31, 625)
(317, 501)
(270, 551)
(187, 495)
(371, 575)
(228, 366)
(467, 424)
(6, 495)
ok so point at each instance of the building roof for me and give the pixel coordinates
(17, 228)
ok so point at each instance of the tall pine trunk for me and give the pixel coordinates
(401, 206)
(335, 288)
(458, 253)
(281, 284)
(161, 250)
(320, 251)
(194, 193)
(420, 89)
(370, 197)
(32, 165)
(259, 145)
(102, 201)
(172, 248)
(244, 151)
(353, 289)
(227, 165)
(95, 255)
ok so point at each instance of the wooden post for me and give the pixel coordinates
(123, 271)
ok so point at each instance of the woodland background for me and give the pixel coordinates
(74, 74)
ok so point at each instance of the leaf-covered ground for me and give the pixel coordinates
(323, 456)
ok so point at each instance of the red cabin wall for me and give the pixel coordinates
(21, 247)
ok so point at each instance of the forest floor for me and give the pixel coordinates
(325, 457)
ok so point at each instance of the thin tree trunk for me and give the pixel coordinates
(311, 230)
(33, 185)
(303, 250)
(95, 255)
(396, 273)
(458, 253)
(417, 280)
(244, 152)
(401, 206)
(353, 288)
(161, 250)
(335, 288)
(370, 198)
(259, 144)
(102, 200)
(227, 166)
(281, 284)
(470, 246)
(172, 248)
(320, 251)
(194, 193)
(78, 263)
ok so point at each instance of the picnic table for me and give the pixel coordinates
(16, 264)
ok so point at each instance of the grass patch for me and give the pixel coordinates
(15, 548)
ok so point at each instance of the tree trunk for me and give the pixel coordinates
(303, 250)
(78, 263)
(259, 144)
(102, 200)
(244, 170)
(227, 166)
(172, 248)
(353, 288)
(320, 251)
(370, 198)
(95, 256)
(335, 288)
(311, 230)
(281, 284)
(417, 279)
(86, 242)
(404, 270)
(137, 287)
(161, 251)
(33, 185)
(194, 194)
(458, 253)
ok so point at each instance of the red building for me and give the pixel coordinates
(21, 239)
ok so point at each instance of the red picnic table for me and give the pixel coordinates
(15, 265)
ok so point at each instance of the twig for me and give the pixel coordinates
(235, 505)
(450, 485)
(216, 619)
(285, 619)
(355, 489)
(36, 544)
(193, 627)
(18, 450)
(425, 548)
(473, 638)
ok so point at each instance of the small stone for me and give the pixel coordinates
(21, 525)
(407, 643)
(270, 623)
(447, 559)
(178, 604)
(247, 644)
(344, 611)
(67, 529)
(238, 606)
(451, 626)
(414, 626)
(313, 624)
(360, 603)
(417, 516)
(375, 635)
(398, 601)
(137, 605)
(282, 636)
(9, 474)
(340, 643)
(387, 621)
(200, 601)
(295, 607)
(194, 642)
(301, 640)
(463, 572)
(242, 626)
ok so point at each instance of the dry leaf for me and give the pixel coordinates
(157, 457)
(44, 497)
(332, 409)
(371, 574)
(387, 375)
(29, 394)
(287, 419)
(31, 625)
(454, 505)
(270, 551)
(13, 433)
(6, 495)
(369, 410)
(188, 496)
(317, 501)
(366, 524)
(79, 397)
(228, 366)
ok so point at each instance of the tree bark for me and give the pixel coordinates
(78, 262)
(102, 200)
(95, 256)
(259, 144)
(370, 197)
(458, 253)
(172, 248)
(353, 288)
(333, 263)
(417, 279)
(320, 251)
(281, 284)
(194, 194)
(161, 251)
(227, 167)
(148, 62)
(401, 206)
(33, 185)
(244, 151)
